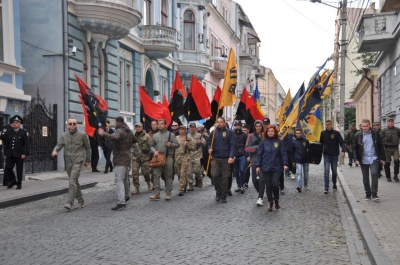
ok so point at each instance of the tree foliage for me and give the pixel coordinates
(349, 117)
(367, 58)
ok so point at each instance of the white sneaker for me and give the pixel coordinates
(260, 202)
(293, 177)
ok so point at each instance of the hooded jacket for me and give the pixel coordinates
(252, 143)
(122, 139)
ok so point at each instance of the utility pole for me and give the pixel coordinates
(335, 89)
(343, 50)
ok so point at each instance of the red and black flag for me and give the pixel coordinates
(197, 105)
(151, 111)
(178, 93)
(214, 109)
(165, 102)
(241, 110)
(95, 108)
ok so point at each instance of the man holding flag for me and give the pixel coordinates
(223, 152)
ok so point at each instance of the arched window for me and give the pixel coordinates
(189, 30)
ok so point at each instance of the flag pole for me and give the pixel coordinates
(213, 136)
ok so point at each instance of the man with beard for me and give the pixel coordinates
(122, 139)
(163, 142)
(223, 155)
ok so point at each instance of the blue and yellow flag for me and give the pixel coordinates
(283, 108)
(257, 100)
(312, 125)
(298, 95)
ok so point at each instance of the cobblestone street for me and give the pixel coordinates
(193, 229)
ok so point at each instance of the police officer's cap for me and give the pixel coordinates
(192, 124)
(182, 127)
(390, 119)
(16, 118)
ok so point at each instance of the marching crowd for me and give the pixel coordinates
(223, 154)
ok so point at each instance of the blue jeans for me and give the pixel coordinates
(302, 172)
(332, 162)
(240, 170)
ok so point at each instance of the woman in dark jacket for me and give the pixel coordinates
(271, 161)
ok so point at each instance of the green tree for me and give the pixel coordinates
(349, 117)
(367, 58)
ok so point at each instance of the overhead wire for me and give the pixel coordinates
(316, 24)
(37, 47)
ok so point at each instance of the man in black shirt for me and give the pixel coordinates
(331, 140)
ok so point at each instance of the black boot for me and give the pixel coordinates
(270, 206)
(387, 172)
(396, 170)
(111, 168)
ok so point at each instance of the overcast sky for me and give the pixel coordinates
(296, 37)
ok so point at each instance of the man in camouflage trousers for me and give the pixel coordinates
(163, 142)
(182, 158)
(348, 139)
(141, 158)
(391, 138)
(196, 155)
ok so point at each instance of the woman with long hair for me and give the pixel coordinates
(271, 161)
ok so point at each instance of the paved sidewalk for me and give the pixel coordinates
(51, 184)
(378, 223)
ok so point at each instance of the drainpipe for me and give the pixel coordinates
(65, 58)
(371, 80)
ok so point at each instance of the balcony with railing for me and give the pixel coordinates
(390, 5)
(246, 52)
(158, 41)
(106, 19)
(261, 71)
(377, 32)
(218, 65)
(193, 62)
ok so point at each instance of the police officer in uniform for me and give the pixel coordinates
(390, 136)
(15, 150)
